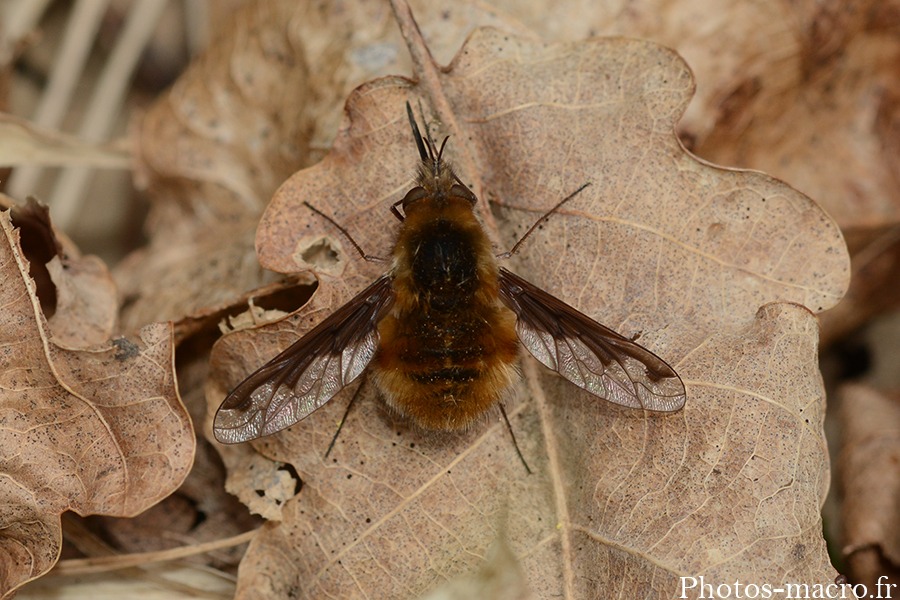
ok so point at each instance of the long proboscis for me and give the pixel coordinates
(420, 143)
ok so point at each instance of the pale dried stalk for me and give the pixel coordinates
(82, 566)
(104, 106)
(80, 33)
(19, 19)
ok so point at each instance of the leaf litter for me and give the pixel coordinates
(716, 269)
(534, 259)
(94, 430)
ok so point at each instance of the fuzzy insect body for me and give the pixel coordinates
(440, 332)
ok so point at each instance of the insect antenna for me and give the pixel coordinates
(547, 214)
(441, 151)
(344, 418)
(432, 151)
(367, 257)
(513, 436)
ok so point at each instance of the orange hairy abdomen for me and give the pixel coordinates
(448, 347)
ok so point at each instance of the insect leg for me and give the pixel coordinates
(368, 257)
(505, 255)
(344, 418)
(513, 436)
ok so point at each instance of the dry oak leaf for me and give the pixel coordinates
(714, 268)
(260, 103)
(99, 431)
(821, 108)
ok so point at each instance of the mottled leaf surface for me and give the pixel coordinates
(718, 271)
(95, 431)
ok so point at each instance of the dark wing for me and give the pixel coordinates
(593, 357)
(309, 373)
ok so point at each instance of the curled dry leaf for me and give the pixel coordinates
(87, 302)
(689, 256)
(76, 293)
(870, 483)
(98, 431)
(192, 278)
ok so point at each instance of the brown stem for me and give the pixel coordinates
(428, 73)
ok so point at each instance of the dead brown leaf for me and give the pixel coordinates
(873, 289)
(93, 431)
(192, 278)
(690, 256)
(821, 110)
(259, 104)
(76, 293)
(212, 150)
(870, 483)
(829, 126)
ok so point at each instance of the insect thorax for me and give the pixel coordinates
(443, 260)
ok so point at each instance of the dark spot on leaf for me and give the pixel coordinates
(126, 349)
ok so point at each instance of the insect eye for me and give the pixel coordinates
(462, 191)
(417, 193)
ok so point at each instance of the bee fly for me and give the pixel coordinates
(440, 331)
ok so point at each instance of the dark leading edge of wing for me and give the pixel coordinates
(308, 373)
(591, 356)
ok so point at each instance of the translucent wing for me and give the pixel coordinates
(309, 373)
(591, 356)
